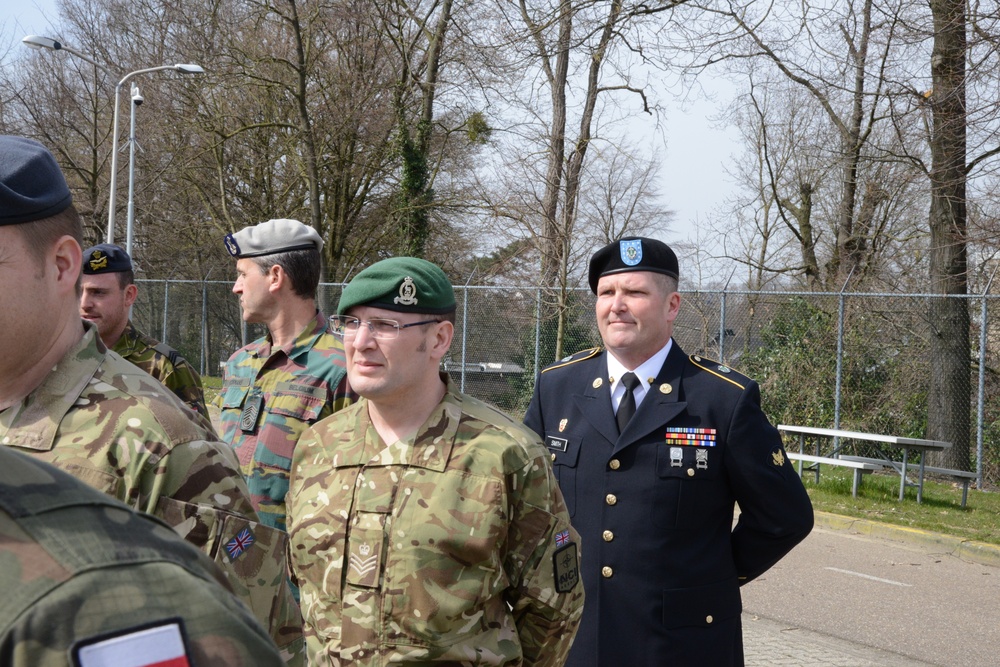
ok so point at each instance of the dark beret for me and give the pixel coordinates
(403, 284)
(272, 237)
(106, 258)
(632, 254)
(32, 186)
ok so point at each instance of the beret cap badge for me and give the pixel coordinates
(407, 293)
(98, 261)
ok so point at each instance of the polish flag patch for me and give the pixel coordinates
(161, 645)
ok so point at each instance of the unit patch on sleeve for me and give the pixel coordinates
(566, 564)
(160, 645)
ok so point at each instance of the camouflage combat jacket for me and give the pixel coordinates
(286, 392)
(76, 565)
(112, 426)
(454, 546)
(165, 364)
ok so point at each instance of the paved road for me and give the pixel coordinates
(843, 599)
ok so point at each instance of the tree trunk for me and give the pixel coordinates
(949, 393)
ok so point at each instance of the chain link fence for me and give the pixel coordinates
(853, 361)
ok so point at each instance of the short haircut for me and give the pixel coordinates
(126, 278)
(40, 235)
(301, 266)
(667, 283)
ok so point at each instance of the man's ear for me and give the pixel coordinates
(68, 256)
(276, 277)
(131, 292)
(444, 331)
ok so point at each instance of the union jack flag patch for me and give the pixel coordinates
(239, 544)
(562, 539)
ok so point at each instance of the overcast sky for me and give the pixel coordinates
(693, 180)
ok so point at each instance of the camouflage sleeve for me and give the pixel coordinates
(124, 600)
(185, 382)
(543, 565)
(198, 490)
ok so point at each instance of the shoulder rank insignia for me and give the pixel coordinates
(573, 358)
(717, 369)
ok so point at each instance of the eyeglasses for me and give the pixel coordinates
(383, 329)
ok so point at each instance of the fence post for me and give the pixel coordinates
(722, 328)
(981, 403)
(465, 329)
(840, 358)
(204, 321)
(166, 309)
(538, 328)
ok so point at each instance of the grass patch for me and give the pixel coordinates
(878, 500)
(212, 386)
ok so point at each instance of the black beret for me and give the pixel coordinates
(403, 284)
(632, 254)
(272, 237)
(32, 186)
(105, 258)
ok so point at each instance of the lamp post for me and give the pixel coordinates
(136, 101)
(184, 69)
(39, 42)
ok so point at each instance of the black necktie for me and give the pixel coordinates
(627, 407)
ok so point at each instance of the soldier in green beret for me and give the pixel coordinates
(425, 526)
(67, 400)
(109, 290)
(278, 385)
(86, 580)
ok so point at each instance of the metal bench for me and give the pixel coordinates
(963, 476)
(860, 467)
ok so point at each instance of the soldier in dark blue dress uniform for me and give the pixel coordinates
(653, 449)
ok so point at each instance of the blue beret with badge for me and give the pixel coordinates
(272, 237)
(632, 254)
(106, 258)
(32, 186)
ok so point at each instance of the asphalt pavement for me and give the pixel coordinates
(863, 594)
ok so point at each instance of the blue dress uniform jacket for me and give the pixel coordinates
(661, 561)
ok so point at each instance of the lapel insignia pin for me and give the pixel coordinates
(598, 382)
(665, 388)
(778, 457)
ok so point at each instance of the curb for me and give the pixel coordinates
(968, 550)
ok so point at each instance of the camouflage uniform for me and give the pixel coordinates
(453, 547)
(112, 426)
(76, 565)
(165, 364)
(298, 387)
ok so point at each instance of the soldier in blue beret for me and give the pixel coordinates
(84, 579)
(109, 290)
(653, 449)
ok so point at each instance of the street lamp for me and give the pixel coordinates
(137, 99)
(39, 42)
(183, 69)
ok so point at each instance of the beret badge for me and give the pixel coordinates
(407, 293)
(98, 261)
(232, 246)
(631, 252)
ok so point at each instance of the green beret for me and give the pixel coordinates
(272, 237)
(403, 284)
(632, 254)
(105, 258)
(32, 186)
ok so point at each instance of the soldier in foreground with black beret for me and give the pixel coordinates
(653, 449)
(109, 290)
(69, 401)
